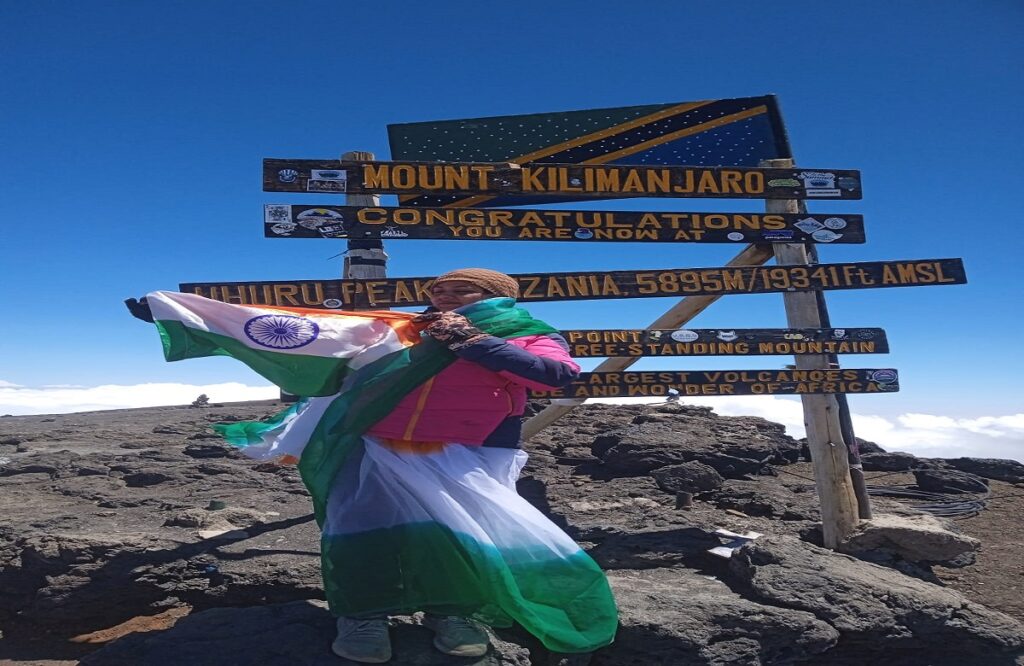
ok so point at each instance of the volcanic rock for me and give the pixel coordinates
(1010, 471)
(691, 477)
(733, 446)
(877, 610)
(776, 501)
(895, 461)
(919, 538)
(701, 621)
(949, 481)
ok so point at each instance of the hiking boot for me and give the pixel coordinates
(364, 641)
(457, 636)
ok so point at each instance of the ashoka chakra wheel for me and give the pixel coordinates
(281, 331)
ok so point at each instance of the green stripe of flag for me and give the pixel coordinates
(295, 373)
(565, 602)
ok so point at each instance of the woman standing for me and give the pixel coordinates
(416, 496)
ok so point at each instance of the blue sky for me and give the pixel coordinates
(132, 136)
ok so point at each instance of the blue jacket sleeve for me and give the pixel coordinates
(535, 370)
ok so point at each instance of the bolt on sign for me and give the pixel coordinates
(592, 343)
(737, 132)
(409, 222)
(663, 383)
(398, 292)
(576, 180)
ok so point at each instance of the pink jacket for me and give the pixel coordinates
(483, 393)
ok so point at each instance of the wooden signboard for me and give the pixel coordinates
(355, 222)
(726, 382)
(577, 180)
(725, 342)
(398, 292)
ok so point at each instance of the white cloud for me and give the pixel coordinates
(4, 384)
(64, 399)
(925, 435)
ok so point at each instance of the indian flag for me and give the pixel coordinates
(405, 526)
(442, 529)
(305, 352)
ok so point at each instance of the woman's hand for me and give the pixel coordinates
(140, 309)
(450, 329)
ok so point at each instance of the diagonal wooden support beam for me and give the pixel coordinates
(682, 312)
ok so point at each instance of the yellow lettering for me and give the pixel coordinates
(608, 287)
(481, 176)
(731, 181)
(648, 220)
(659, 180)
(284, 294)
(456, 178)
(403, 177)
(375, 176)
(402, 293)
(633, 182)
(708, 183)
(608, 180)
(531, 179)
(531, 284)
(372, 216)
(431, 177)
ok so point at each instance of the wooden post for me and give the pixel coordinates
(365, 258)
(682, 312)
(860, 487)
(821, 412)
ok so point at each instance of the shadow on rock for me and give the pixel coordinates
(71, 585)
(297, 633)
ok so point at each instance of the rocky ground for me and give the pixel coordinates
(137, 537)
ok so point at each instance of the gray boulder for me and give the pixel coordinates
(770, 501)
(1010, 471)
(733, 446)
(677, 616)
(895, 461)
(877, 610)
(949, 481)
(919, 538)
(690, 477)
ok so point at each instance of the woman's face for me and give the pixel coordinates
(448, 296)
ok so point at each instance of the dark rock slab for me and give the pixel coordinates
(149, 477)
(771, 501)
(949, 481)
(901, 620)
(895, 461)
(674, 434)
(1010, 471)
(677, 616)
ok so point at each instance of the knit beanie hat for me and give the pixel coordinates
(494, 282)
